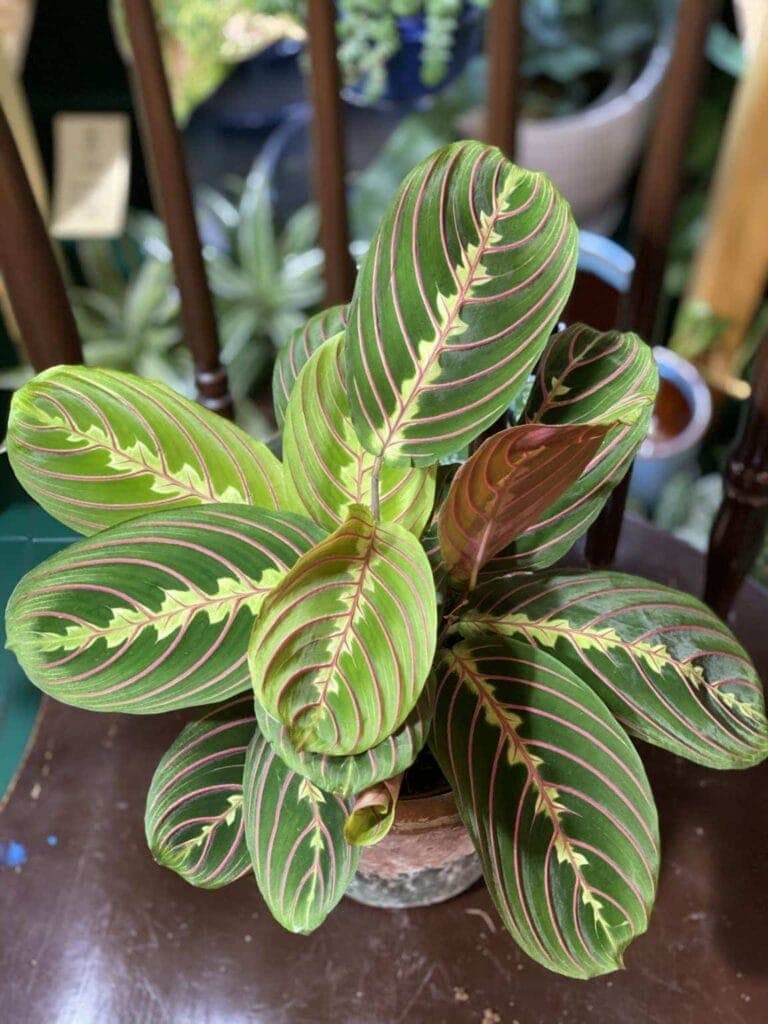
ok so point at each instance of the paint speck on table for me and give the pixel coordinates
(52, 840)
(490, 1016)
(460, 995)
(12, 854)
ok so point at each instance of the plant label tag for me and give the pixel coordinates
(92, 161)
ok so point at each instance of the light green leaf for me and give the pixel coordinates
(671, 671)
(342, 647)
(350, 775)
(373, 813)
(154, 614)
(99, 447)
(328, 470)
(295, 835)
(194, 816)
(556, 801)
(585, 377)
(297, 351)
(454, 301)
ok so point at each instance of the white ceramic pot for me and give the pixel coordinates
(591, 155)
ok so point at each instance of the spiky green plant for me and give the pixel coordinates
(335, 613)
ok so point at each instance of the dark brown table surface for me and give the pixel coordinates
(93, 932)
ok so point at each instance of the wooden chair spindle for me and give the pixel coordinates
(32, 277)
(504, 43)
(739, 527)
(165, 160)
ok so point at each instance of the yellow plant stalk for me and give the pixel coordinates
(731, 267)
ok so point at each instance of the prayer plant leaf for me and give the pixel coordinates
(295, 835)
(373, 813)
(350, 775)
(154, 614)
(328, 470)
(343, 645)
(506, 486)
(555, 798)
(454, 301)
(585, 377)
(670, 671)
(298, 350)
(194, 817)
(98, 447)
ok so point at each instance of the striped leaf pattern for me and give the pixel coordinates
(373, 813)
(556, 801)
(297, 351)
(328, 470)
(194, 817)
(354, 773)
(506, 486)
(154, 614)
(295, 835)
(342, 646)
(454, 301)
(669, 670)
(98, 447)
(586, 377)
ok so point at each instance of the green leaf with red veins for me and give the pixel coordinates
(454, 302)
(343, 645)
(555, 798)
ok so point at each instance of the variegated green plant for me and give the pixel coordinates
(337, 608)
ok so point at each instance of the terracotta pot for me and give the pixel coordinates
(427, 858)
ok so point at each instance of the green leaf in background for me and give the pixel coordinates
(194, 817)
(556, 801)
(297, 351)
(295, 835)
(327, 469)
(585, 377)
(506, 486)
(98, 447)
(454, 301)
(154, 614)
(350, 775)
(342, 647)
(668, 669)
(373, 813)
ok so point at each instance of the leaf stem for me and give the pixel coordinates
(375, 474)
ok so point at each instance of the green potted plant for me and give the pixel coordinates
(391, 582)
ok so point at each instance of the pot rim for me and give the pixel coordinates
(680, 372)
(609, 105)
(434, 810)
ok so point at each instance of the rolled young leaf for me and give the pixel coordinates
(99, 447)
(666, 666)
(373, 813)
(194, 816)
(328, 470)
(295, 835)
(153, 614)
(342, 647)
(298, 350)
(585, 377)
(556, 801)
(454, 302)
(354, 773)
(506, 486)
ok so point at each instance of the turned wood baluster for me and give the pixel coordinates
(653, 213)
(165, 160)
(328, 146)
(504, 36)
(739, 526)
(32, 278)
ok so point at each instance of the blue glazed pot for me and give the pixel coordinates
(663, 455)
(404, 85)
